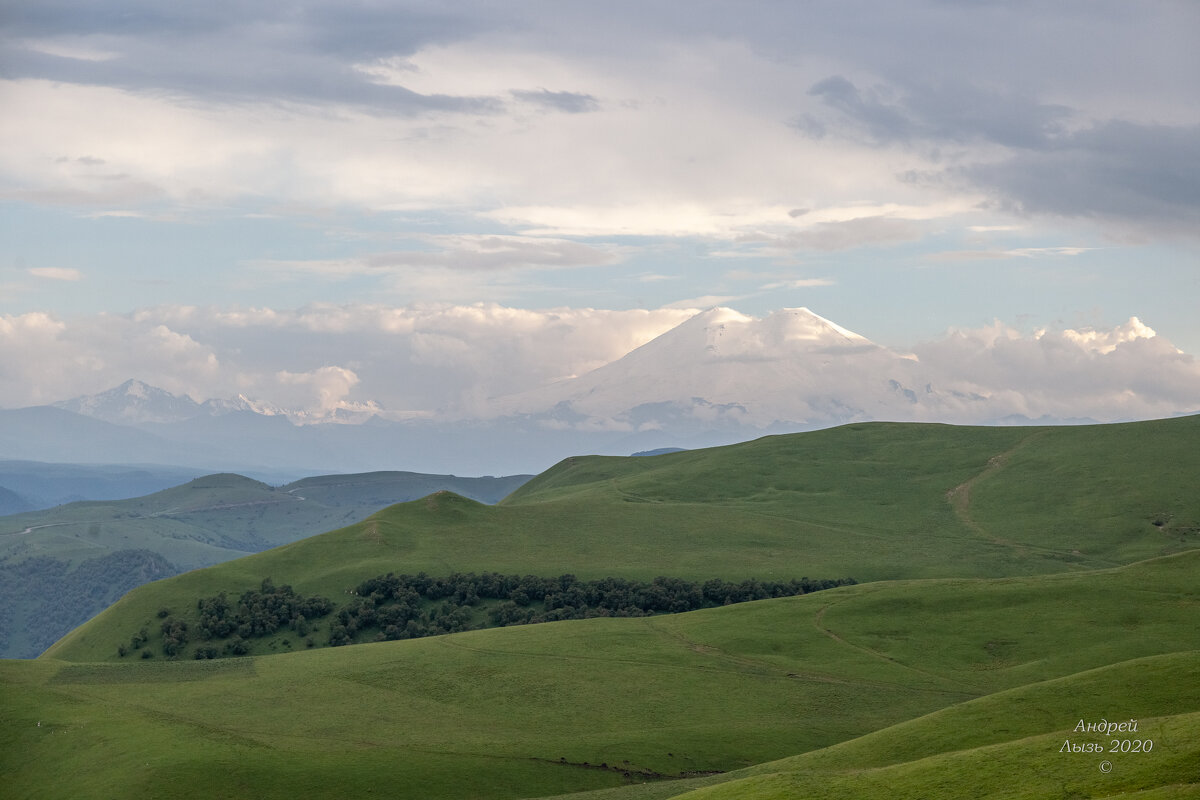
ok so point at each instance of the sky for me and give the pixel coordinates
(419, 204)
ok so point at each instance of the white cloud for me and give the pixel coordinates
(465, 252)
(56, 273)
(694, 304)
(320, 392)
(320, 358)
(1105, 342)
(1019, 252)
(800, 283)
(450, 360)
(1128, 372)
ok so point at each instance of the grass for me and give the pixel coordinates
(1006, 744)
(874, 502)
(517, 712)
(1022, 579)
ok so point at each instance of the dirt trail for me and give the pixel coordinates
(960, 496)
(960, 500)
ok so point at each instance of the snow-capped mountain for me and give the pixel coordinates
(138, 403)
(718, 377)
(134, 402)
(721, 369)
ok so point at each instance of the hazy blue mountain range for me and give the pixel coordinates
(93, 552)
(34, 485)
(266, 445)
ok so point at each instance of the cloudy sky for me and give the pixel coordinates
(420, 203)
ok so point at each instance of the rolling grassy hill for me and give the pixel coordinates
(1009, 666)
(93, 552)
(1015, 582)
(873, 502)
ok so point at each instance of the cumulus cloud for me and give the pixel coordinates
(320, 393)
(446, 361)
(44, 359)
(1128, 372)
(322, 358)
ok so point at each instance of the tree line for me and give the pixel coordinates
(392, 607)
(397, 606)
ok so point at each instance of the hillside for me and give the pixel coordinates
(1015, 582)
(873, 502)
(1005, 667)
(93, 552)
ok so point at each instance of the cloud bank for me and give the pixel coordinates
(451, 362)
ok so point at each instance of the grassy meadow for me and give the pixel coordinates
(1013, 581)
(609, 702)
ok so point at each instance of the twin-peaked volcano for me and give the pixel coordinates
(722, 368)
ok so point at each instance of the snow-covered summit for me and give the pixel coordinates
(137, 403)
(134, 402)
(723, 367)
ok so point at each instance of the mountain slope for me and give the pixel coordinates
(873, 502)
(721, 368)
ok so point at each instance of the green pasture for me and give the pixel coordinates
(570, 706)
(1013, 582)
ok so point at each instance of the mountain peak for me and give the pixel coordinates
(723, 367)
(133, 402)
(802, 324)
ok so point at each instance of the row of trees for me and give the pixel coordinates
(391, 607)
(393, 604)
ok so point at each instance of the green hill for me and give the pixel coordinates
(94, 552)
(1015, 581)
(873, 502)
(1009, 665)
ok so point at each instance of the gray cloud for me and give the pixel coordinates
(1146, 175)
(570, 102)
(946, 113)
(226, 51)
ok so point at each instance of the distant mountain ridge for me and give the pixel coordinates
(95, 547)
(135, 402)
